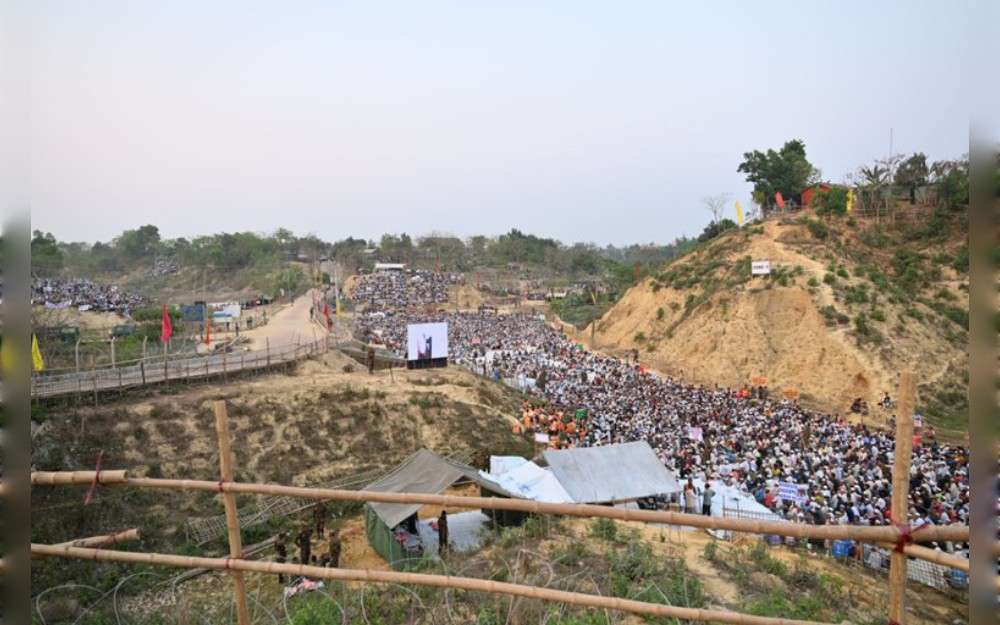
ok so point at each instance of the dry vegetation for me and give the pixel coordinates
(845, 308)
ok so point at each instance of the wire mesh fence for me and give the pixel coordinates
(862, 555)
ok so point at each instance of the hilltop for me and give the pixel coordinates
(848, 304)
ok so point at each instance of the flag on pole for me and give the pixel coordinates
(779, 200)
(739, 213)
(326, 314)
(208, 330)
(37, 363)
(850, 200)
(338, 305)
(166, 328)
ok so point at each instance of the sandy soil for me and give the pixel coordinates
(777, 333)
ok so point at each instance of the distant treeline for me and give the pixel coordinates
(239, 251)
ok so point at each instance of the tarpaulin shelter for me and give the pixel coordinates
(611, 473)
(424, 472)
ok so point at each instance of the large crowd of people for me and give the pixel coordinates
(84, 295)
(388, 290)
(746, 439)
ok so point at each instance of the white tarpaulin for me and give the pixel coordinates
(501, 464)
(531, 482)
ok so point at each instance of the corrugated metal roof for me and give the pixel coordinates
(610, 473)
(425, 472)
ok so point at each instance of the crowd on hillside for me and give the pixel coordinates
(743, 438)
(83, 295)
(389, 290)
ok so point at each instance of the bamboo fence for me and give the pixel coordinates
(420, 579)
(898, 538)
(869, 534)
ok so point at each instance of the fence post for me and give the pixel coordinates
(166, 356)
(232, 518)
(900, 493)
(224, 365)
(112, 352)
(144, 339)
(76, 349)
(142, 370)
(267, 350)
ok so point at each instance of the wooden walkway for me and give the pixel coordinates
(155, 370)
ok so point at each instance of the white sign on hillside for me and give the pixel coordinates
(760, 268)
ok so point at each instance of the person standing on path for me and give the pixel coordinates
(706, 499)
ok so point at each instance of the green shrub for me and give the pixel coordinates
(878, 315)
(842, 272)
(813, 281)
(639, 337)
(961, 263)
(829, 278)
(818, 228)
(659, 313)
(831, 202)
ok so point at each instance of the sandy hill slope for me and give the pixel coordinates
(847, 306)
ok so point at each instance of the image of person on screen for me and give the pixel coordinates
(425, 353)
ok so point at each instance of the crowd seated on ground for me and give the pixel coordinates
(387, 290)
(84, 295)
(741, 437)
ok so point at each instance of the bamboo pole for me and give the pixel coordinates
(862, 533)
(900, 494)
(419, 579)
(62, 478)
(232, 518)
(103, 540)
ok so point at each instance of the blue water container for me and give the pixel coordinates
(958, 579)
(842, 548)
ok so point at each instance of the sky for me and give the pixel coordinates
(583, 121)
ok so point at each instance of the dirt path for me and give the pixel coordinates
(287, 326)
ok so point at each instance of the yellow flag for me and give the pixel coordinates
(338, 306)
(36, 355)
(850, 200)
(739, 213)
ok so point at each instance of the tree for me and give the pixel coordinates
(139, 243)
(716, 228)
(716, 204)
(952, 180)
(787, 171)
(831, 202)
(46, 257)
(912, 173)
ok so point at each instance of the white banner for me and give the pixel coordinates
(760, 268)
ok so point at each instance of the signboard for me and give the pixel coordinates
(790, 394)
(790, 491)
(695, 434)
(760, 268)
(542, 439)
(427, 341)
(758, 380)
(918, 421)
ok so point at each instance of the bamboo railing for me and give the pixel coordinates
(157, 369)
(420, 579)
(869, 534)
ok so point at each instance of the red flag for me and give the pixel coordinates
(166, 328)
(780, 200)
(208, 330)
(326, 313)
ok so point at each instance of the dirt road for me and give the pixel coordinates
(287, 326)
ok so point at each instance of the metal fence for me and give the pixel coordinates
(861, 555)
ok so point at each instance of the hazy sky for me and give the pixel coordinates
(603, 121)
